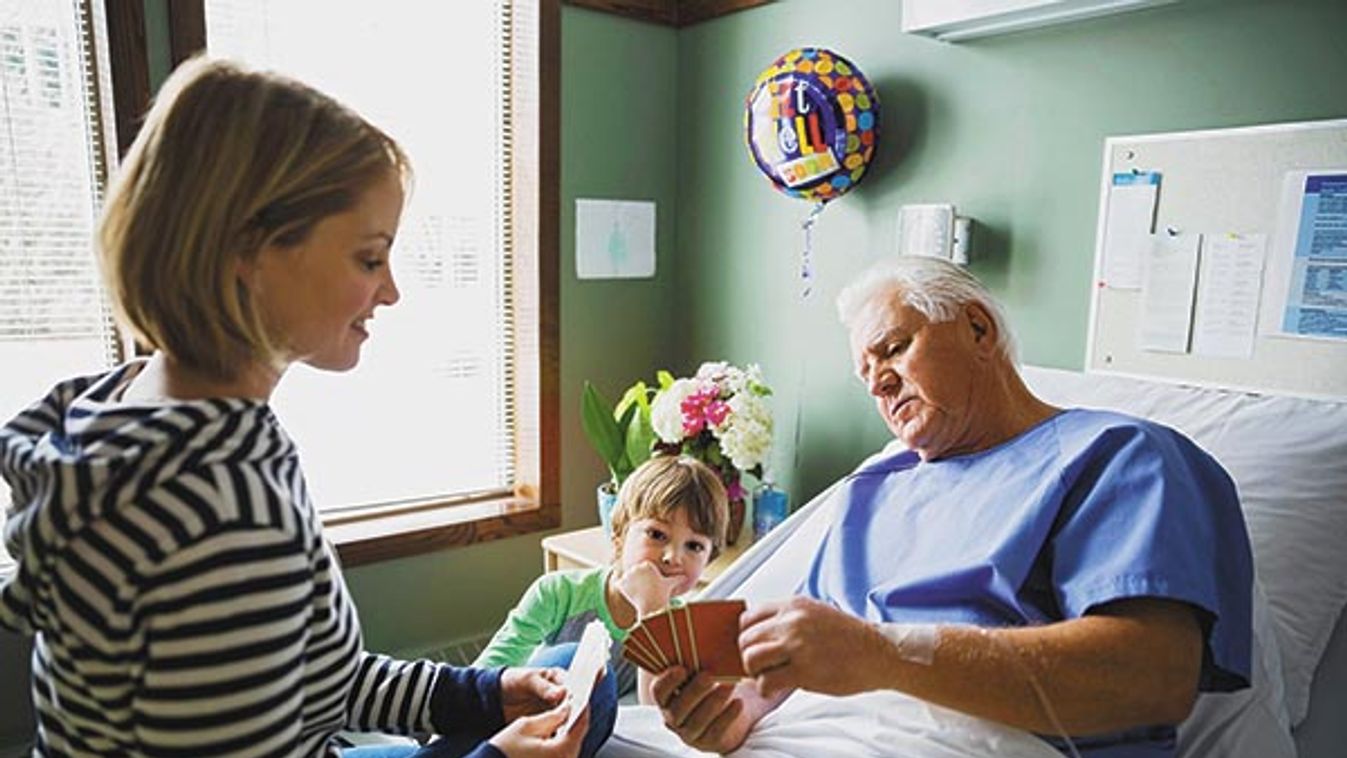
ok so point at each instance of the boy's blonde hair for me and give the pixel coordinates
(228, 161)
(666, 483)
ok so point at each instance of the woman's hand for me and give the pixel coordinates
(526, 691)
(706, 714)
(810, 645)
(536, 735)
(646, 587)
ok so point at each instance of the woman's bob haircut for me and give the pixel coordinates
(229, 160)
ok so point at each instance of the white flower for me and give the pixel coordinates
(714, 370)
(747, 436)
(666, 413)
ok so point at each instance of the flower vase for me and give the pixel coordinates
(736, 523)
(606, 497)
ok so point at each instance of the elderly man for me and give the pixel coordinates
(1068, 572)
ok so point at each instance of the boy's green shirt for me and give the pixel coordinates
(554, 610)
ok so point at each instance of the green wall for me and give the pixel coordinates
(1010, 129)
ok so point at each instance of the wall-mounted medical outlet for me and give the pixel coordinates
(934, 230)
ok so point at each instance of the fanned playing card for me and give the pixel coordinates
(716, 639)
(699, 636)
(636, 650)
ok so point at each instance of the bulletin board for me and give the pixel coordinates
(1218, 182)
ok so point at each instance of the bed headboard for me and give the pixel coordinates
(1288, 457)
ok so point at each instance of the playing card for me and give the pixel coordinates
(636, 651)
(659, 631)
(646, 644)
(685, 636)
(590, 656)
(716, 625)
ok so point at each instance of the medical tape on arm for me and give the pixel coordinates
(915, 642)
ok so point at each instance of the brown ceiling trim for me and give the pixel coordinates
(675, 13)
(696, 11)
(655, 11)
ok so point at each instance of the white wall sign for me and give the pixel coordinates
(614, 239)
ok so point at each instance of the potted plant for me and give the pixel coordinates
(621, 435)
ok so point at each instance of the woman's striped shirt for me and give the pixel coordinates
(181, 598)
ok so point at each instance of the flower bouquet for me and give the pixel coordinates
(719, 416)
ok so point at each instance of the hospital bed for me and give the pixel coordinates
(1288, 457)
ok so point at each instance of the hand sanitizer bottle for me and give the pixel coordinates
(770, 507)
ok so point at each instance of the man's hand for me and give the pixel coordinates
(813, 646)
(526, 691)
(646, 587)
(708, 715)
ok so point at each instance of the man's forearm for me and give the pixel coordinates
(1087, 676)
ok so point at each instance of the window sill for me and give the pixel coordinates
(375, 536)
(379, 535)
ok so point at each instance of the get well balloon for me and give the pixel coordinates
(811, 123)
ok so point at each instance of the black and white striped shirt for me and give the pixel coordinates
(180, 596)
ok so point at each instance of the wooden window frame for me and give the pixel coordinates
(385, 532)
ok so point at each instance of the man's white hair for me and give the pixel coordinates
(933, 287)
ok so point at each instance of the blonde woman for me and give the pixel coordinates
(172, 570)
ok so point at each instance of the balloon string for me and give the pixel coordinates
(806, 288)
(806, 255)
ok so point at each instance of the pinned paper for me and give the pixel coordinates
(614, 239)
(1308, 276)
(1128, 223)
(1229, 284)
(1169, 274)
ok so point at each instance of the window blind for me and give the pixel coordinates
(431, 410)
(54, 137)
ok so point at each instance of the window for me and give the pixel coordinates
(443, 418)
(54, 95)
(448, 433)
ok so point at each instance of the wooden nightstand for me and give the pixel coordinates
(587, 548)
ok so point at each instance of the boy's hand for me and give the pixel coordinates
(646, 587)
(526, 691)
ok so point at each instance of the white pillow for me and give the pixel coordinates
(1286, 456)
(1249, 723)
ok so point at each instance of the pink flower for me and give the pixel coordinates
(701, 407)
(716, 412)
(693, 418)
(734, 491)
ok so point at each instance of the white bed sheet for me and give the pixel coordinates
(872, 724)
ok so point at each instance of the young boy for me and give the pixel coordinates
(669, 523)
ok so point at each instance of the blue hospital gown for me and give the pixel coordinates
(1082, 509)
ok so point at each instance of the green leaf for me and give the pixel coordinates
(640, 438)
(713, 455)
(602, 430)
(638, 432)
(635, 394)
(625, 464)
(666, 379)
